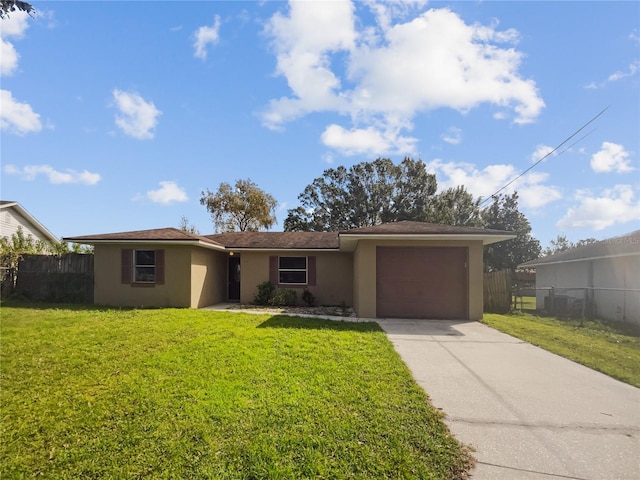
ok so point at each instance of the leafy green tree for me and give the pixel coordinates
(12, 249)
(9, 6)
(503, 214)
(371, 193)
(366, 194)
(456, 206)
(561, 244)
(243, 207)
(63, 248)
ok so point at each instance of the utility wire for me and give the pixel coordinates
(490, 197)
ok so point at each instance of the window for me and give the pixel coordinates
(292, 270)
(144, 266)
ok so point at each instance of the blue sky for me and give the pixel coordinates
(117, 115)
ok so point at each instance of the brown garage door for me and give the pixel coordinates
(421, 282)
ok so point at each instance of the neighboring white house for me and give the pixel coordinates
(13, 215)
(606, 273)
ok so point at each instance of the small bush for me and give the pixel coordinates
(265, 292)
(285, 297)
(308, 298)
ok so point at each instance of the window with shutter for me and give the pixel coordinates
(142, 267)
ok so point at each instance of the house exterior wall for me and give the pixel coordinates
(560, 276)
(175, 292)
(10, 220)
(620, 272)
(365, 277)
(208, 277)
(605, 275)
(334, 276)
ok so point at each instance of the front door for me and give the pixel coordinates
(234, 278)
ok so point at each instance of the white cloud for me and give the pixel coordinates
(205, 36)
(541, 152)
(137, 117)
(611, 158)
(367, 141)
(452, 136)
(327, 158)
(13, 26)
(631, 71)
(16, 117)
(169, 192)
(617, 205)
(30, 172)
(387, 73)
(619, 75)
(8, 58)
(533, 194)
(484, 183)
(302, 42)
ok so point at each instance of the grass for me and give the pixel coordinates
(594, 344)
(89, 393)
(525, 303)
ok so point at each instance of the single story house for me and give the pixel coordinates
(403, 269)
(13, 216)
(605, 274)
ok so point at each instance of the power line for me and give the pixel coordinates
(490, 197)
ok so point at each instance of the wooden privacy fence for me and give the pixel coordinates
(497, 291)
(47, 278)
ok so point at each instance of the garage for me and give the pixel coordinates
(421, 282)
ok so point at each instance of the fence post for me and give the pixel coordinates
(553, 301)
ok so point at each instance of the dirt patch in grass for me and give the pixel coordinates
(326, 310)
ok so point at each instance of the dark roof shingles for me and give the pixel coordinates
(278, 240)
(284, 240)
(406, 227)
(157, 234)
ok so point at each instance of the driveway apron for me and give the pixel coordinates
(529, 414)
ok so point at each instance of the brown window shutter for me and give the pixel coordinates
(126, 265)
(273, 269)
(311, 270)
(160, 267)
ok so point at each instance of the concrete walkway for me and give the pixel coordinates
(528, 413)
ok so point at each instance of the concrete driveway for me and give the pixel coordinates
(529, 414)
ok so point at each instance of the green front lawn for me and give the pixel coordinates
(88, 393)
(590, 343)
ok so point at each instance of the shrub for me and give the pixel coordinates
(285, 297)
(265, 292)
(308, 298)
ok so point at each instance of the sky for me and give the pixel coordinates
(116, 116)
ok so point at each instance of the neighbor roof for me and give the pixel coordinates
(612, 247)
(161, 235)
(278, 240)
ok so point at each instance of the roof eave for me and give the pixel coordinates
(279, 249)
(195, 243)
(348, 241)
(38, 226)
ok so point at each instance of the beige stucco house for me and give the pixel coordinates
(605, 273)
(403, 269)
